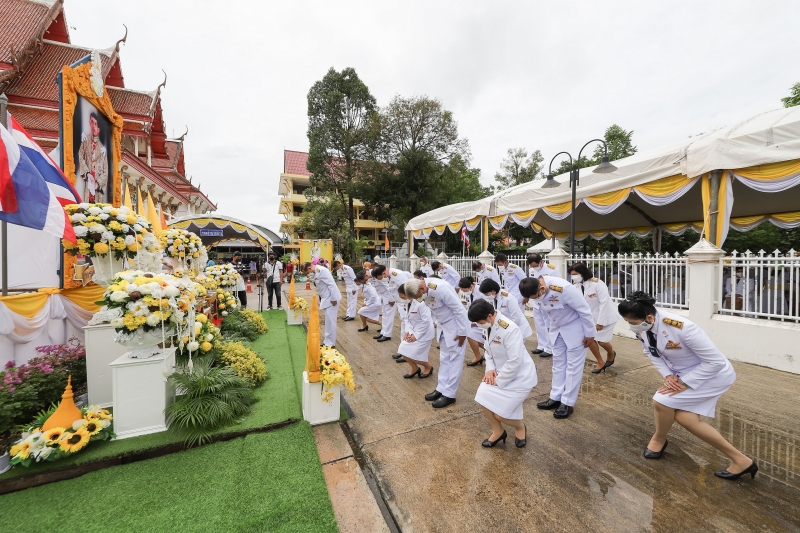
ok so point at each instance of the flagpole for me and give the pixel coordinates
(4, 224)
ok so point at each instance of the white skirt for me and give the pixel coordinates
(702, 400)
(418, 350)
(503, 402)
(372, 311)
(605, 334)
(476, 333)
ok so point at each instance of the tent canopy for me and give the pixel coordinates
(218, 229)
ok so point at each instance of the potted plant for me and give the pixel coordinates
(5, 459)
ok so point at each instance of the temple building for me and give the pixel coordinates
(34, 46)
(295, 180)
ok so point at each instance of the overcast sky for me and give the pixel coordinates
(541, 75)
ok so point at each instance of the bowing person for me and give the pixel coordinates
(453, 325)
(483, 272)
(570, 328)
(505, 303)
(416, 337)
(537, 267)
(466, 288)
(604, 312)
(347, 273)
(510, 374)
(329, 298)
(446, 272)
(695, 375)
(387, 281)
(510, 276)
(371, 309)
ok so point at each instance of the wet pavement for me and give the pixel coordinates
(585, 473)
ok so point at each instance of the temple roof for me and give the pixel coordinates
(129, 158)
(130, 102)
(295, 163)
(36, 119)
(21, 22)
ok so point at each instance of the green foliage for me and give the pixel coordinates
(517, 168)
(215, 397)
(794, 96)
(620, 145)
(236, 327)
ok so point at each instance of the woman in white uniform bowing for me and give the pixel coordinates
(371, 309)
(475, 337)
(510, 374)
(417, 337)
(604, 312)
(695, 374)
(504, 302)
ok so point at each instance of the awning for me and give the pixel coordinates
(219, 229)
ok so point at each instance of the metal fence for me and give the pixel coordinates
(760, 286)
(462, 264)
(665, 277)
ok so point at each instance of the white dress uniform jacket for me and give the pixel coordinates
(511, 276)
(604, 310)
(450, 275)
(507, 305)
(452, 321)
(546, 269)
(745, 289)
(349, 277)
(516, 372)
(686, 351)
(538, 317)
(328, 293)
(419, 323)
(475, 332)
(426, 268)
(486, 273)
(372, 302)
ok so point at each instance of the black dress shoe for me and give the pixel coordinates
(400, 359)
(378, 336)
(563, 411)
(384, 339)
(520, 443)
(545, 354)
(397, 356)
(417, 373)
(537, 351)
(365, 328)
(548, 404)
(649, 454)
(348, 318)
(492, 443)
(423, 376)
(442, 401)
(752, 469)
(476, 363)
(435, 395)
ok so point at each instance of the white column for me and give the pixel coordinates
(486, 257)
(413, 263)
(701, 290)
(558, 258)
(442, 257)
(393, 261)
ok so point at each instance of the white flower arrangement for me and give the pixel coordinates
(102, 229)
(223, 275)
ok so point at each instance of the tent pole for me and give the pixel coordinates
(4, 224)
(713, 205)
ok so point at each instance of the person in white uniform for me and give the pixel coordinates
(475, 337)
(347, 273)
(604, 311)
(446, 308)
(447, 273)
(695, 375)
(417, 335)
(510, 374)
(571, 330)
(510, 276)
(329, 298)
(743, 295)
(482, 273)
(425, 267)
(371, 310)
(505, 304)
(538, 267)
(381, 281)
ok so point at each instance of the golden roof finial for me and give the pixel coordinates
(67, 412)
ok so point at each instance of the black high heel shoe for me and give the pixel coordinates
(476, 363)
(417, 373)
(423, 376)
(492, 443)
(522, 442)
(609, 363)
(598, 370)
(752, 469)
(365, 328)
(649, 454)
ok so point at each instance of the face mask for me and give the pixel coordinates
(640, 328)
(485, 325)
(576, 278)
(491, 295)
(537, 268)
(739, 275)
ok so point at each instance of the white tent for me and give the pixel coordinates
(541, 248)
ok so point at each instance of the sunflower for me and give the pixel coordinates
(73, 442)
(92, 426)
(52, 436)
(22, 449)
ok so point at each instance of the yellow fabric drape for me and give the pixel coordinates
(473, 221)
(440, 229)
(722, 197)
(770, 171)
(746, 221)
(610, 198)
(139, 206)
(417, 233)
(30, 303)
(312, 343)
(664, 186)
(525, 214)
(27, 305)
(85, 297)
(291, 293)
(152, 215)
(497, 220)
(793, 216)
(126, 197)
(455, 226)
(560, 209)
(678, 226)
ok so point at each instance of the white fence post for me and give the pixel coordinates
(393, 261)
(558, 258)
(442, 257)
(413, 263)
(702, 284)
(486, 258)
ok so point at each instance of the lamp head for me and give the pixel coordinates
(604, 167)
(550, 183)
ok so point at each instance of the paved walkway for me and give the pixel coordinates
(582, 474)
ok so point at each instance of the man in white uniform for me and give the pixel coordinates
(385, 282)
(349, 276)
(482, 273)
(571, 330)
(447, 273)
(329, 298)
(452, 335)
(510, 276)
(536, 268)
(425, 267)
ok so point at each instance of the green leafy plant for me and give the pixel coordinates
(215, 397)
(237, 327)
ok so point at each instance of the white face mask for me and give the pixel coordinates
(491, 295)
(485, 325)
(640, 328)
(739, 275)
(576, 278)
(537, 268)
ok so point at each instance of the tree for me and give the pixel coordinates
(619, 145)
(324, 217)
(794, 96)
(518, 168)
(340, 110)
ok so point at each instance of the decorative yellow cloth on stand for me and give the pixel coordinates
(152, 215)
(312, 344)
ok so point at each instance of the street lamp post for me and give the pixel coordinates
(574, 175)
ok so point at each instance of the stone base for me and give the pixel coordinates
(315, 411)
(141, 393)
(101, 350)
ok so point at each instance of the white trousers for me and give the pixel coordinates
(451, 364)
(542, 335)
(387, 322)
(352, 300)
(331, 316)
(567, 372)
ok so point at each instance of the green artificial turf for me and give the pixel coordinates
(278, 398)
(263, 482)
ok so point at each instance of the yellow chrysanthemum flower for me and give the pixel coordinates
(100, 248)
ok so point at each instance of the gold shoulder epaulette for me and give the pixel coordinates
(556, 288)
(595, 280)
(488, 268)
(504, 293)
(513, 265)
(394, 273)
(432, 286)
(503, 324)
(674, 323)
(551, 266)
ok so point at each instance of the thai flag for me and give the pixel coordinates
(26, 196)
(465, 234)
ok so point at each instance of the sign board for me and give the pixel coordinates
(211, 233)
(311, 249)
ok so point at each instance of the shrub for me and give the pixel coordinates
(256, 320)
(214, 397)
(243, 360)
(236, 327)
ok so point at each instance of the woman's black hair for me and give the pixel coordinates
(638, 305)
(336, 264)
(529, 287)
(476, 265)
(583, 270)
(420, 274)
(378, 270)
(489, 285)
(479, 310)
(435, 265)
(401, 290)
(466, 282)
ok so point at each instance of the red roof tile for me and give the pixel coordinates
(171, 160)
(295, 163)
(131, 102)
(152, 175)
(20, 22)
(35, 118)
